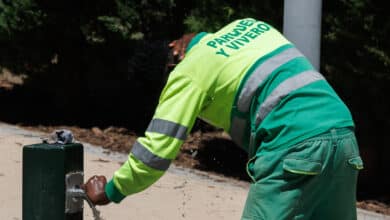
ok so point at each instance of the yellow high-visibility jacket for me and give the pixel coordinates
(247, 79)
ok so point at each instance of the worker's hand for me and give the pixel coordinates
(95, 190)
(178, 48)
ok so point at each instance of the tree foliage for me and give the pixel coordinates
(357, 30)
(360, 27)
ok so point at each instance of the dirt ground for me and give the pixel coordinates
(209, 151)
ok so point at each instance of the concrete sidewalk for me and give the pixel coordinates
(179, 194)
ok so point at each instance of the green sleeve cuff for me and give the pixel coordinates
(113, 193)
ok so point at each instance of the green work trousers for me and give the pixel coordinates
(315, 179)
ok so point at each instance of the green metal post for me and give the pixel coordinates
(45, 168)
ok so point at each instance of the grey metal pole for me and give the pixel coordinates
(302, 26)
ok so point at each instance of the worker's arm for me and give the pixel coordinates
(179, 104)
